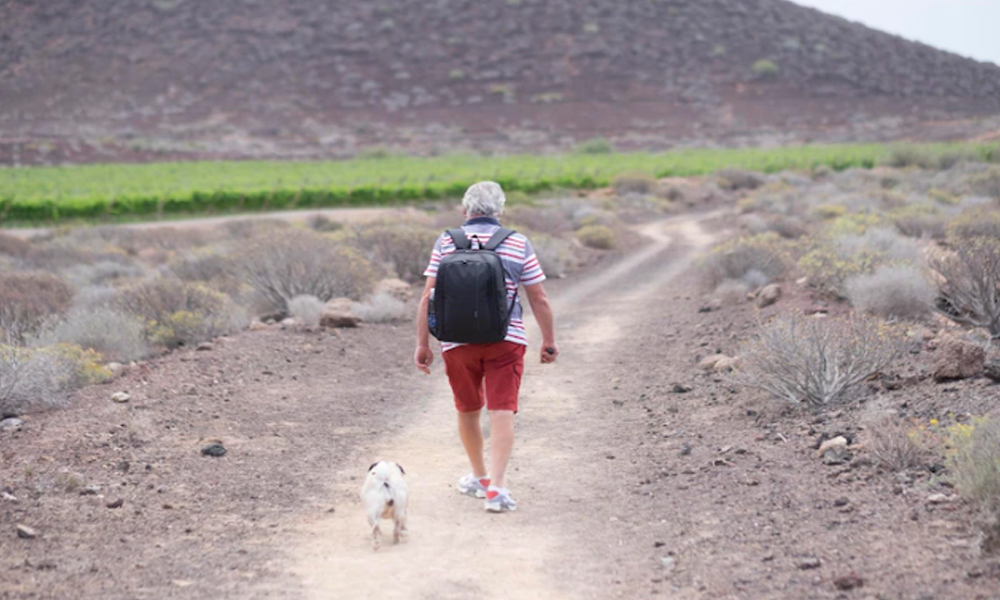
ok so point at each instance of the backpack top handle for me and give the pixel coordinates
(462, 241)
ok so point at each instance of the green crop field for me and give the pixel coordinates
(30, 195)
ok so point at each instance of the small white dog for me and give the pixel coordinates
(384, 497)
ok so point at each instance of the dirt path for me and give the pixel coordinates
(553, 546)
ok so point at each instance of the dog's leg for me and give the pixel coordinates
(376, 537)
(399, 531)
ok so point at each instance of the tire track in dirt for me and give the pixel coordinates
(553, 546)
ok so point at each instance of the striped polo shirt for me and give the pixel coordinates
(519, 261)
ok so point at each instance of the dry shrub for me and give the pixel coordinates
(970, 282)
(986, 183)
(178, 313)
(919, 222)
(828, 267)
(600, 237)
(27, 298)
(732, 291)
(887, 243)
(760, 254)
(305, 263)
(589, 215)
(209, 266)
(974, 464)
(382, 307)
(323, 223)
(555, 255)
(892, 291)
(254, 228)
(405, 249)
(816, 361)
(13, 246)
(894, 446)
(548, 220)
(101, 273)
(738, 179)
(112, 333)
(978, 222)
(307, 308)
(40, 378)
(634, 183)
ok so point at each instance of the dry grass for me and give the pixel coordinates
(307, 308)
(974, 464)
(755, 260)
(114, 334)
(33, 379)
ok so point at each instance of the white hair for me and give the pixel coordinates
(484, 199)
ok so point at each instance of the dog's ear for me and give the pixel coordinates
(373, 466)
(401, 468)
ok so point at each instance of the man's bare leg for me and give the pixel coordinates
(471, 433)
(501, 444)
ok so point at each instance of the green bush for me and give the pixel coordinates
(765, 68)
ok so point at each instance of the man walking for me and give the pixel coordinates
(489, 374)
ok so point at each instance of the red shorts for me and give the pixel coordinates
(490, 370)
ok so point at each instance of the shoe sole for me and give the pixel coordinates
(499, 509)
(474, 493)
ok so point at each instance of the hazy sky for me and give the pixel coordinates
(967, 27)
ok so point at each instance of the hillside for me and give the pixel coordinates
(304, 77)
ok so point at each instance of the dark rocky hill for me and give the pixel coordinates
(302, 77)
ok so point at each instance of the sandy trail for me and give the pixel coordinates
(456, 550)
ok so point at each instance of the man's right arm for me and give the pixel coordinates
(424, 356)
(542, 309)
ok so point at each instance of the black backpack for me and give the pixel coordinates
(470, 294)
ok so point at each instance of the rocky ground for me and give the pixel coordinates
(639, 472)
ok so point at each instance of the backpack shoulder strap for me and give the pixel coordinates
(498, 238)
(458, 236)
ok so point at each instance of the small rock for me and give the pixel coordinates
(11, 424)
(727, 364)
(685, 450)
(116, 368)
(215, 450)
(808, 562)
(712, 305)
(848, 582)
(115, 503)
(668, 562)
(679, 389)
(939, 499)
(837, 442)
(120, 397)
(842, 501)
(26, 533)
(204, 346)
(839, 455)
(992, 370)
(5, 495)
(90, 490)
(659, 544)
(709, 362)
(769, 295)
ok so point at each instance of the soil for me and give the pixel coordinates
(627, 487)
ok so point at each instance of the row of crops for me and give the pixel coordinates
(109, 191)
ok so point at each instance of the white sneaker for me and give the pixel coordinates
(470, 485)
(499, 500)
